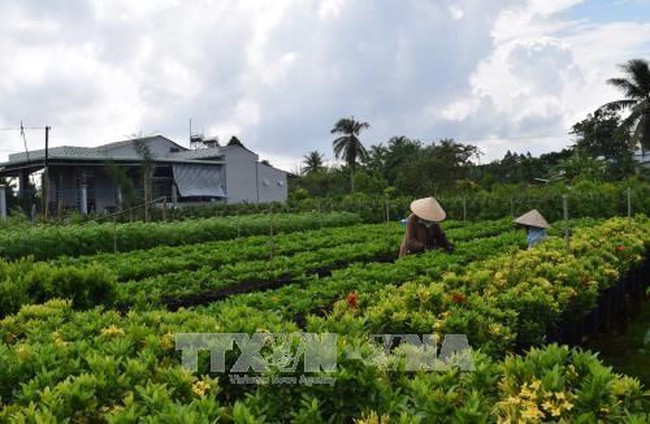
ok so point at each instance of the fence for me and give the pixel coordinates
(597, 202)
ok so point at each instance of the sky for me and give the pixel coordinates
(500, 74)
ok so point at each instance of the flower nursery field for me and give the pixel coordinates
(89, 317)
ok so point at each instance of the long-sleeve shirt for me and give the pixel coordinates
(423, 235)
(535, 236)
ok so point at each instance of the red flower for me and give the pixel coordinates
(353, 300)
(458, 298)
(620, 248)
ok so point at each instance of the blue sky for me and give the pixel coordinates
(606, 11)
(502, 74)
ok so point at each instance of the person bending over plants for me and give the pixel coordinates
(423, 231)
(535, 226)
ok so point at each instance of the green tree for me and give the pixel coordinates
(401, 150)
(636, 87)
(599, 136)
(435, 168)
(147, 170)
(120, 177)
(234, 141)
(313, 162)
(581, 167)
(348, 146)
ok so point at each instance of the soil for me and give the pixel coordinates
(209, 296)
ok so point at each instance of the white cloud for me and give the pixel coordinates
(544, 74)
(330, 9)
(456, 12)
(279, 74)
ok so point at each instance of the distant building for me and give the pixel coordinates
(642, 157)
(230, 174)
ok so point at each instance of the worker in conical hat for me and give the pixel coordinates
(423, 231)
(535, 225)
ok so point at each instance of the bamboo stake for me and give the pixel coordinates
(629, 203)
(271, 240)
(464, 208)
(565, 206)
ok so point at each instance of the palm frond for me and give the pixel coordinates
(630, 89)
(340, 146)
(639, 71)
(618, 105)
(642, 132)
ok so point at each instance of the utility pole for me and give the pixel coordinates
(46, 174)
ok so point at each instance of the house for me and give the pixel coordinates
(100, 178)
(642, 158)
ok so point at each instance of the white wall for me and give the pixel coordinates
(272, 184)
(241, 170)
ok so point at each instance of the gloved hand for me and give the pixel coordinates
(450, 249)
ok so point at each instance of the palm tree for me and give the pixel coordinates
(313, 162)
(348, 146)
(636, 87)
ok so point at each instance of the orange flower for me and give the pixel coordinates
(353, 300)
(458, 298)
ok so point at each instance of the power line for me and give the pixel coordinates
(21, 128)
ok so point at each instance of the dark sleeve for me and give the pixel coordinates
(440, 239)
(410, 240)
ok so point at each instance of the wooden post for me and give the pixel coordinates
(3, 202)
(387, 210)
(464, 208)
(565, 206)
(387, 225)
(46, 175)
(164, 211)
(271, 242)
(320, 215)
(59, 200)
(114, 233)
(174, 195)
(629, 203)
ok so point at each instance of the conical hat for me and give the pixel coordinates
(532, 219)
(428, 208)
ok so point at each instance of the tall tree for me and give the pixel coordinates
(348, 146)
(401, 150)
(234, 141)
(599, 135)
(313, 162)
(636, 87)
(147, 169)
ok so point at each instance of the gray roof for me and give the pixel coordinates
(179, 154)
(206, 153)
(102, 152)
(57, 152)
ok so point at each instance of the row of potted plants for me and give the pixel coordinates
(51, 241)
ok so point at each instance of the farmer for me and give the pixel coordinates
(535, 225)
(422, 229)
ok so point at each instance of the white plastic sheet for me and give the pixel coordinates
(199, 180)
